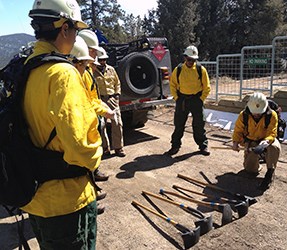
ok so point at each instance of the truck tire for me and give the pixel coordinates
(138, 74)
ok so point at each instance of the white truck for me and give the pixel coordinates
(144, 67)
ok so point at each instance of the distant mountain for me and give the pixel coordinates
(10, 45)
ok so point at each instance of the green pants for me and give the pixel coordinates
(76, 231)
(194, 105)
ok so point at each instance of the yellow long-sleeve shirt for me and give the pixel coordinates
(55, 96)
(256, 131)
(189, 84)
(100, 107)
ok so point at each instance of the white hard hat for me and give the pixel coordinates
(80, 50)
(102, 54)
(191, 51)
(96, 62)
(257, 103)
(90, 38)
(61, 9)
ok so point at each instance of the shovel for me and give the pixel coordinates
(225, 209)
(240, 206)
(251, 200)
(189, 237)
(205, 223)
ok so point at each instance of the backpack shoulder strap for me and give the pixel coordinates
(45, 58)
(178, 70)
(38, 61)
(198, 68)
(94, 85)
(246, 113)
(268, 115)
(199, 71)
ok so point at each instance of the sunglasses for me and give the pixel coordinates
(188, 59)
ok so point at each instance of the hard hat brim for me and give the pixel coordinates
(193, 57)
(96, 62)
(103, 57)
(88, 58)
(94, 47)
(81, 24)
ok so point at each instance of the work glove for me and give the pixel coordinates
(261, 147)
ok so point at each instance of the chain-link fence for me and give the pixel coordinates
(211, 69)
(257, 68)
(228, 75)
(279, 63)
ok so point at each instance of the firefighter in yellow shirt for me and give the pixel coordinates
(189, 90)
(258, 137)
(63, 211)
(82, 59)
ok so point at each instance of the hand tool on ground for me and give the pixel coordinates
(257, 150)
(205, 223)
(251, 200)
(190, 237)
(240, 206)
(225, 209)
(225, 147)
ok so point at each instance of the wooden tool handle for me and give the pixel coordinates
(203, 194)
(225, 147)
(155, 213)
(192, 179)
(201, 182)
(192, 191)
(203, 203)
(161, 198)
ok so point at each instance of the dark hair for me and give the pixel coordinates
(44, 28)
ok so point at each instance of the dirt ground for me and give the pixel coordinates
(146, 168)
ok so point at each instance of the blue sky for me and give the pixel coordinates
(14, 13)
(14, 17)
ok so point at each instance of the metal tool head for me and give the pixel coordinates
(190, 237)
(205, 224)
(226, 214)
(250, 200)
(195, 212)
(242, 208)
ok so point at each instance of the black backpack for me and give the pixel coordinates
(23, 166)
(198, 68)
(272, 105)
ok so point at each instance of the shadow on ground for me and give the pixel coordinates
(150, 162)
(9, 238)
(136, 136)
(176, 244)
